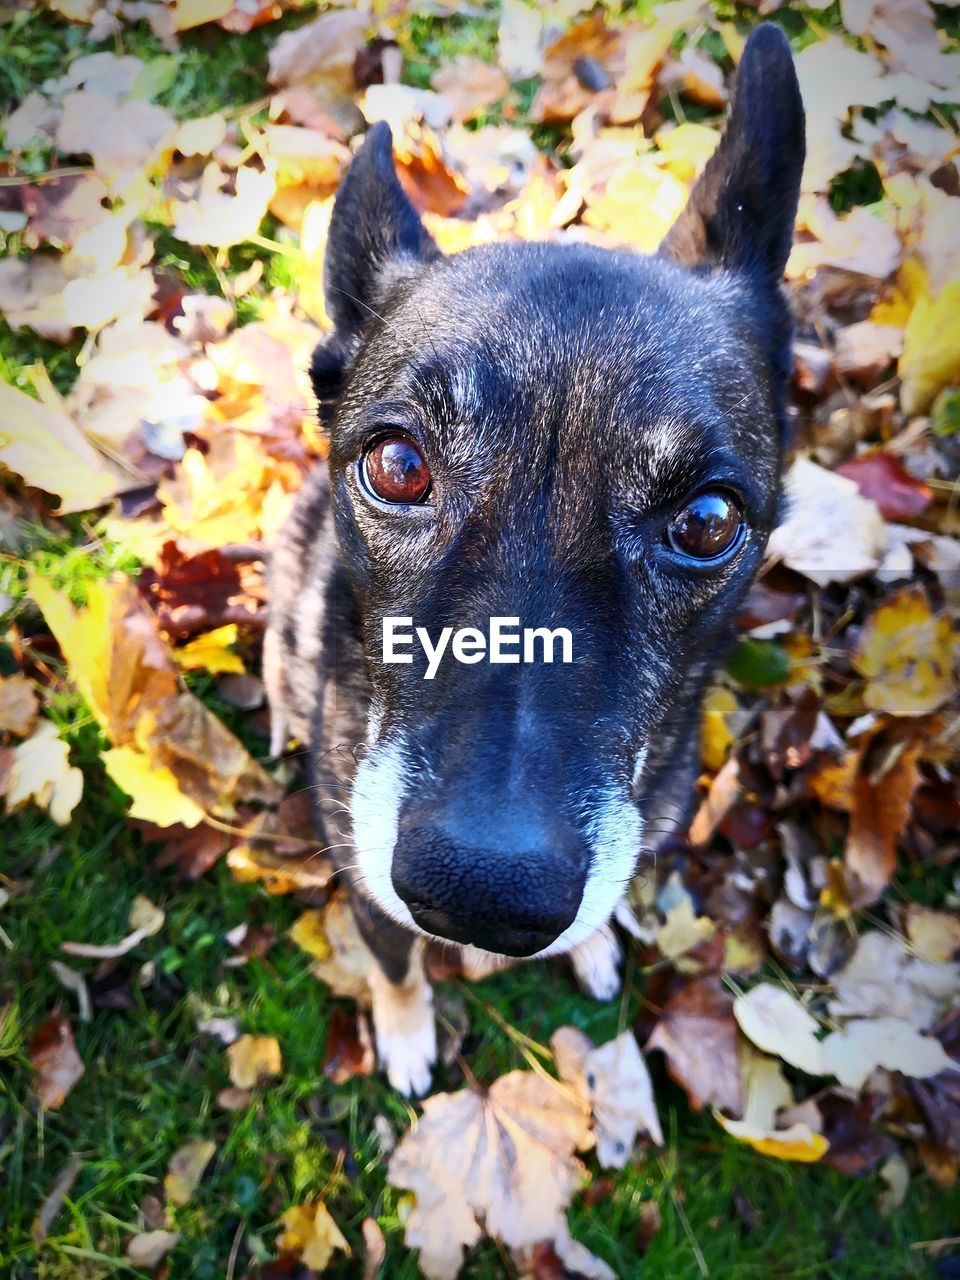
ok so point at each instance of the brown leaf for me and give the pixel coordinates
(883, 788)
(471, 85)
(349, 1050)
(502, 1156)
(18, 706)
(720, 799)
(698, 1034)
(321, 53)
(149, 1248)
(53, 1055)
(192, 593)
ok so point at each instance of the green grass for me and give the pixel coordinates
(151, 1080)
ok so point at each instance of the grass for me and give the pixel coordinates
(151, 1079)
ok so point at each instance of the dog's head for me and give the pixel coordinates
(577, 439)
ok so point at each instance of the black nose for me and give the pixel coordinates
(512, 902)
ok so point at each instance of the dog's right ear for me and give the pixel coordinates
(373, 225)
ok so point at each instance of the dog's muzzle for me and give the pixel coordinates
(514, 900)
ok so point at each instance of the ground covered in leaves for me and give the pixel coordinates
(187, 1085)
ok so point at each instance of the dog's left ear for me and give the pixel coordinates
(373, 226)
(742, 209)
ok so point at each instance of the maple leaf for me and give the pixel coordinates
(503, 1156)
(614, 1081)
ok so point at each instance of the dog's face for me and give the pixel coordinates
(576, 439)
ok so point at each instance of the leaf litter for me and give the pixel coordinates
(189, 429)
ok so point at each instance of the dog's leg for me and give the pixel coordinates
(596, 964)
(402, 999)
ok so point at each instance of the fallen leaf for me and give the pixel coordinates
(254, 1059)
(886, 779)
(212, 651)
(776, 1022)
(310, 1233)
(186, 1168)
(53, 1201)
(682, 931)
(767, 1094)
(471, 85)
(831, 533)
(44, 446)
(854, 1053)
(931, 349)
(40, 772)
(884, 978)
(698, 1034)
(502, 1156)
(149, 1248)
(53, 1056)
(614, 1081)
(320, 53)
(18, 706)
(146, 920)
(934, 936)
(222, 219)
(346, 967)
(907, 654)
(349, 1048)
(880, 476)
(716, 732)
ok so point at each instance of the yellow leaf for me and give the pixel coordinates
(686, 149)
(682, 932)
(194, 13)
(153, 788)
(43, 445)
(311, 1233)
(798, 1143)
(253, 1059)
(313, 245)
(907, 655)
(185, 1170)
(42, 772)
(931, 349)
(212, 652)
(308, 933)
(716, 736)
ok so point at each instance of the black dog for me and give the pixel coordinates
(555, 434)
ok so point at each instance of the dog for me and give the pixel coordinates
(561, 436)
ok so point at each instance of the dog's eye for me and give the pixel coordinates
(395, 471)
(707, 526)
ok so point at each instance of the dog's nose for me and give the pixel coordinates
(514, 903)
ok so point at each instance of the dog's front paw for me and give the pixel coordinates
(596, 964)
(405, 1031)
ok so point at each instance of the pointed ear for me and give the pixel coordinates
(373, 224)
(742, 209)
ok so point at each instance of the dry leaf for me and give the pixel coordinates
(40, 772)
(614, 1080)
(53, 1056)
(907, 655)
(886, 779)
(321, 53)
(43, 445)
(186, 1168)
(777, 1023)
(310, 1234)
(831, 533)
(212, 651)
(503, 1156)
(856, 1051)
(221, 219)
(682, 932)
(150, 1248)
(698, 1034)
(470, 84)
(254, 1059)
(767, 1094)
(934, 936)
(346, 967)
(883, 978)
(18, 706)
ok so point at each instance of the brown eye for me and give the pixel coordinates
(395, 470)
(707, 526)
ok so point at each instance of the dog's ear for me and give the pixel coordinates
(742, 209)
(373, 224)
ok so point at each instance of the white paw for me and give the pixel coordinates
(596, 964)
(407, 1055)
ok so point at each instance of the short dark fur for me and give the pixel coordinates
(568, 399)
